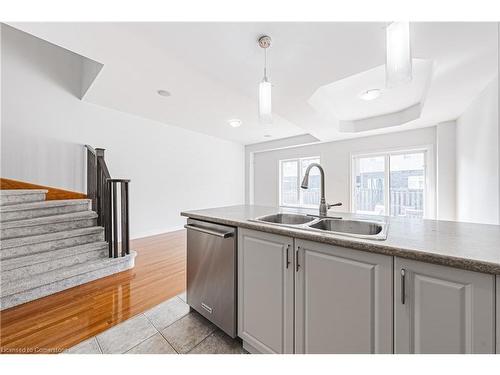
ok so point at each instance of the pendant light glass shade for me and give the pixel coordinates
(398, 65)
(265, 109)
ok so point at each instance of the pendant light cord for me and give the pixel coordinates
(265, 64)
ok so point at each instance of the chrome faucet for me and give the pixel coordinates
(323, 206)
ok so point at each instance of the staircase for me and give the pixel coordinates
(49, 246)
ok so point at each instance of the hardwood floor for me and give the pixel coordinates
(56, 322)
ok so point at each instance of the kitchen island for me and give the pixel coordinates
(429, 287)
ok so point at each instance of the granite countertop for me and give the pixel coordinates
(474, 247)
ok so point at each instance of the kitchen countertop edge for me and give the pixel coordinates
(357, 244)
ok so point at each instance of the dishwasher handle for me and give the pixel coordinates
(210, 231)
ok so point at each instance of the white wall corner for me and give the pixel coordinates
(477, 159)
(90, 71)
(446, 171)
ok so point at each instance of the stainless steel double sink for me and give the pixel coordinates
(366, 229)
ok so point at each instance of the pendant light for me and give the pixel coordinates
(265, 109)
(398, 67)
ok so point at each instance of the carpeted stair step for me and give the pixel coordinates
(8, 197)
(47, 224)
(24, 290)
(40, 209)
(29, 265)
(16, 247)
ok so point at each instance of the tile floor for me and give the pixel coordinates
(168, 328)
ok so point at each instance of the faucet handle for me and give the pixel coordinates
(334, 205)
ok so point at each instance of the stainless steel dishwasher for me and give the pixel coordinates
(211, 272)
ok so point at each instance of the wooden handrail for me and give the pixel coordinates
(91, 149)
(118, 180)
(102, 189)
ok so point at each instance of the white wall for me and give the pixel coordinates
(45, 125)
(446, 170)
(477, 159)
(335, 158)
(251, 149)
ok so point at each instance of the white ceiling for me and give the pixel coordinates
(339, 102)
(213, 70)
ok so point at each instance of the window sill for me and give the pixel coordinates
(297, 206)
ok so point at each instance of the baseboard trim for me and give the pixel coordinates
(250, 348)
(157, 232)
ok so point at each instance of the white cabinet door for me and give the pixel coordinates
(265, 291)
(343, 300)
(442, 309)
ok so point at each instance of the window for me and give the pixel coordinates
(391, 183)
(291, 175)
(369, 185)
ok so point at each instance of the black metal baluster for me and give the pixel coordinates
(124, 214)
(127, 222)
(91, 176)
(101, 184)
(115, 222)
(102, 204)
(107, 221)
(100, 199)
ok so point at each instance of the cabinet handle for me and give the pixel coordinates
(297, 265)
(403, 286)
(287, 256)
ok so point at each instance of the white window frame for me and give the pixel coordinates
(299, 174)
(429, 172)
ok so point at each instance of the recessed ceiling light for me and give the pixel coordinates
(163, 93)
(235, 123)
(370, 94)
(267, 135)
